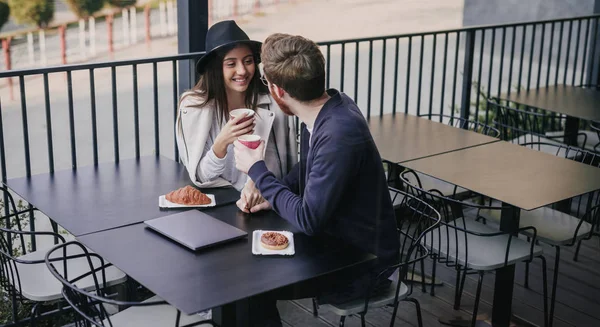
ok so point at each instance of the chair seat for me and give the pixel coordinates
(447, 189)
(591, 141)
(154, 315)
(39, 285)
(484, 252)
(357, 306)
(553, 227)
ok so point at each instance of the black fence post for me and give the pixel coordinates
(192, 24)
(467, 83)
(593, 63)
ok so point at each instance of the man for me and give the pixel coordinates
(338, 187)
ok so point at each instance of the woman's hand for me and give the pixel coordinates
(230, 133)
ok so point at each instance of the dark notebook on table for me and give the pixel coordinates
(195, 229)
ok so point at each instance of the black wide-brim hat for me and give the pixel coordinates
(224, 34)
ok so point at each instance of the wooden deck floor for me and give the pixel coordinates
(578, 296)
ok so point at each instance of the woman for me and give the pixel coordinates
(230, 79)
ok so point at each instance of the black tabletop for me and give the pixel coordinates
(572, 101)
(403, 137)
(95, 198)
(513, 174)
(195, 281)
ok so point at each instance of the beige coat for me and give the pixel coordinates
(193, 125)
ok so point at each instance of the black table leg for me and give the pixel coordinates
(232, 314)
(505, 277)
(571, 130)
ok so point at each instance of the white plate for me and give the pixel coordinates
(164, 203)
(258, 249)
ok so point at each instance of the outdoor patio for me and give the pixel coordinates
(104, 130)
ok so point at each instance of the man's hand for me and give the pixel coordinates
(265, 205)
(251, 195)
(246, 157)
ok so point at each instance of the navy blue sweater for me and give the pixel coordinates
(339, 185)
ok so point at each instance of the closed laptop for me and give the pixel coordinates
(195, 229)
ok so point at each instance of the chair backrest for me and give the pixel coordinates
(13, 241)
(463, 123)
(87, 303)
(416, 219)
(450, 242)
(580, 205)
(521, 125)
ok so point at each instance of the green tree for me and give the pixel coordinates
(37, 12)
(85, 8)
(121, 3)
(4, 12)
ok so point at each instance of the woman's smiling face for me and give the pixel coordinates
(238, 68)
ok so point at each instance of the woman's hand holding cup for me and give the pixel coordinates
(236, 126)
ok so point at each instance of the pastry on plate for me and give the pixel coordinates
(188, 195)
(274, 241)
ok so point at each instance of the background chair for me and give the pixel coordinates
(519, 126)
(91, 305)
(555, 227)
(593, 134)
(417, 220)
(468, 246)
(23, 273)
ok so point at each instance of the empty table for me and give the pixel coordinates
(520, 178)
(94, 198)
(402, 137)
(222, 275)
(575, 102)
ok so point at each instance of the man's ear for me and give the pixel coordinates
(278, 91)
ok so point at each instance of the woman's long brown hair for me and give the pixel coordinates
(211, 85)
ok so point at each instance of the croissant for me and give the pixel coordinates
(188, 195)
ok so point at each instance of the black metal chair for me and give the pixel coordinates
(555, 227)
(23, 274)
(418, 219)
(90, 305)
(519, 126)
(468, 246)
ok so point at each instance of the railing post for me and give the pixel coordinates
(8, 64)
(147, 19)
(235, 9)
(109, 29)
(256, 6)
(467, 76)
(210, 12)
(63, 43)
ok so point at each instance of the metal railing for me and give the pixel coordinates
(452, 71)
(75, 115)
